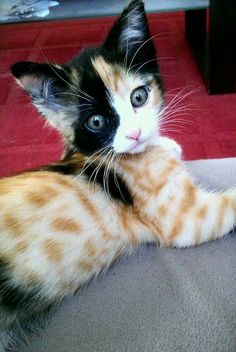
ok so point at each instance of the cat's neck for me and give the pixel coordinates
(126, 177)
(146, 171)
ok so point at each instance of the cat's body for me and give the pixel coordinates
(64, 230)
(69, 221)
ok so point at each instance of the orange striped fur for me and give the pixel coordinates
(56, 233)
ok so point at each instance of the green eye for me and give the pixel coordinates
(139, 97)
(95, 122)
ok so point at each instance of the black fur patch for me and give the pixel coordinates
(68, 168)
(15, 297)
(113, 185)
(87, 141)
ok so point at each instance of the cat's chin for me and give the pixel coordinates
(137, 148)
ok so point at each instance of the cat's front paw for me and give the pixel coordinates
(171, 146)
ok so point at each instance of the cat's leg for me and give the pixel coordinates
(194, 216)
(181, 213)
(197, 216)
(171, 145)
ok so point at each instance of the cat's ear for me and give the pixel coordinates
(130, 35)
(47, 85)
(43, 82)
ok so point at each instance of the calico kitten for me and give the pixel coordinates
(120, 183)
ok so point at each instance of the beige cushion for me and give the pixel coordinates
(163, 300)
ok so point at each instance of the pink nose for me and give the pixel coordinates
(135, 134)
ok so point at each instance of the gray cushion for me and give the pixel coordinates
(163, 300)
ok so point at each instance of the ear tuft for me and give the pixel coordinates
(39, 79)
(45, 83)
(48, 86)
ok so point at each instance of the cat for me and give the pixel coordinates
(120, 183)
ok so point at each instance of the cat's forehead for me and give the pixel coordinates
(117, 78)
(94, 72)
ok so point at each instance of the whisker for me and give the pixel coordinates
(115, 175)
(64, 80)
(140, 47)
(173, 119)
(93, 176)
(178, 99)
(69, 93)
(143, 65)
(106, 175)
(90, 160)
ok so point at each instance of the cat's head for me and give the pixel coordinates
(110, 96)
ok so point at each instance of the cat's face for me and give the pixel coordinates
(107, 97)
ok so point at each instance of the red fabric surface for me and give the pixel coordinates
(206, 126)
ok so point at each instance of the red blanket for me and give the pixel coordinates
(204, 125)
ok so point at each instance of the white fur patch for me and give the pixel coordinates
(144, 118)
(171, 145)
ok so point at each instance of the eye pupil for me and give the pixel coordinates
(95, 123)
(139, 97)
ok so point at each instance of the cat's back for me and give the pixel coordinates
(39, 190)
(36, 193)
(51, 202)
(53, 227)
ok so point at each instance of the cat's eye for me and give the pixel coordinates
(95, 123)
(139, 97)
